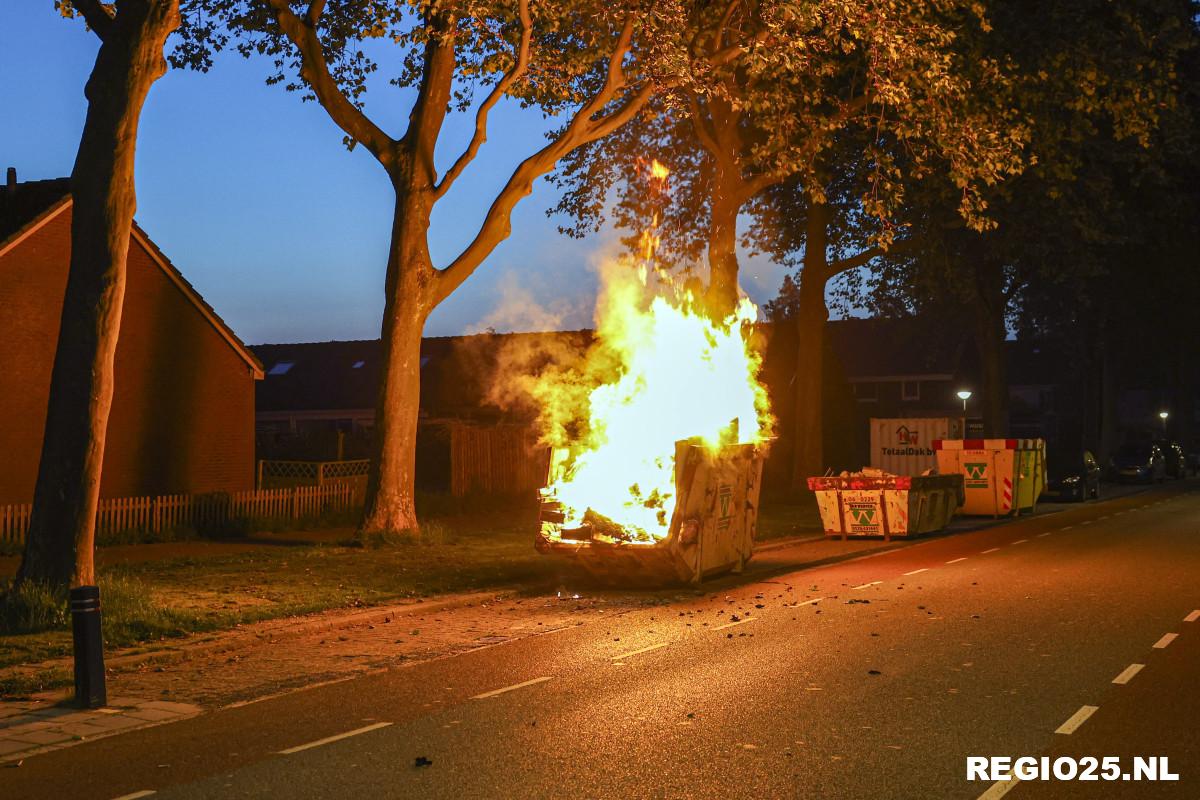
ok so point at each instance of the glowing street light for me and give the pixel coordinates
(964, 395)
(1163, 416)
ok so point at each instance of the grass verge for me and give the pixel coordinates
(149, 602)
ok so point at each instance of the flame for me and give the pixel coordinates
(658, 171)
(660, 371)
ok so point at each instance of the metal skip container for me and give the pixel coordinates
(905, 446)
(711, 530)
(1002, 476)
(886, 505)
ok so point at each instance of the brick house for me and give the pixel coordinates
(182, 419)
(317, 402)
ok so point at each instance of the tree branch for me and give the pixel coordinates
(701, 127)
(866, 256)
(99, 17)
(315, 70)
(315, 9)
(497, 224)
(755, 184)
(480, 136)
(613, 81)
(719, 32)
(735, 51)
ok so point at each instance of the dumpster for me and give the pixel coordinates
(905, 446)
(1000, 476)
(874, 503)
(711, 529)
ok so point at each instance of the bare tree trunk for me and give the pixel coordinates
(1109, 366)
(59, 547)
(722, 245)
(409, 296)
(718, 128)
(990, 305)
(808, 454)
(390, 501)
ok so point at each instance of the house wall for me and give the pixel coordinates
(183, 408)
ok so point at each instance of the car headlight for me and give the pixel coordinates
(1070, 480)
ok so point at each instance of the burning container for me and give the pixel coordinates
(711, 527)
(886, 505)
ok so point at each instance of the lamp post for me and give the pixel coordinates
(964, 395)
(1163, 416)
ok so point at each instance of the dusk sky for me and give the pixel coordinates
(252, 195)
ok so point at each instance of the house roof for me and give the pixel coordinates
(31, 204)
(456, 372)
(895, 349)
(22, 208)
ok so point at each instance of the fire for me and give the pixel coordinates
(660, 371)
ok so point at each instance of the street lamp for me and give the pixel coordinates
(1163, 416)
(964, 395)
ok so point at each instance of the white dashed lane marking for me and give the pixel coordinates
(1166, 639)
(1127, 674)
(515, 686)
(999, 789)
(918, 571)
(136, 795)
(639, 652)
(985, 552)
(1076, 719)
(1192, 617)
(1020, 541)
(337, 738)
(956, 560)
(865, 585)
(1047, 533)
(731, 624)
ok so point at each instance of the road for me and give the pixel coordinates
(876, 678)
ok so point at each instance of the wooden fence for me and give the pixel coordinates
(200, 511)
(496, 459)
(273, 474)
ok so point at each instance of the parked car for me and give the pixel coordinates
(1074, 476)
(1139, 461)
(1193, 460)
(1175, 457)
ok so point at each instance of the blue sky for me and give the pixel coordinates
(252, 195)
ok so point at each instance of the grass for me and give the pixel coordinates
(150, 601)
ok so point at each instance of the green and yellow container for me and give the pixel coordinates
(1000, 476)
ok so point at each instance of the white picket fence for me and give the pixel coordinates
(154, 514)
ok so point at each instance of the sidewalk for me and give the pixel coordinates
(36, 726)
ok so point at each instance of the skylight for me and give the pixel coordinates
(281, 367)
(359, 364)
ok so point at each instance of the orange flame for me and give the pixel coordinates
(660, 371)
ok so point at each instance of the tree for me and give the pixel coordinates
(861, 99)
(600, 62)
(1097, 81)
(60, 543)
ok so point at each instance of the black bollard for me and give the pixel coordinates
(89, 647)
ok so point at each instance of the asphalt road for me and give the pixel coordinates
(874, 678)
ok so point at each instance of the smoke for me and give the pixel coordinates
(517, 309)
